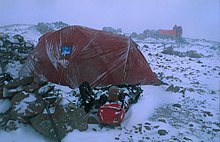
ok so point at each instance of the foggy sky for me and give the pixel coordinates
(199, 18)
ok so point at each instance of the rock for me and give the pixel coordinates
(45, 89)
(177, 105)
(19, 38)
(170, 88)
(1, 93)
(147, 127)
(145, 46)
(162, 120)
(218, 124)
(40, 79)
(173, 88)
(19, 82)
(207, 113)
(31, 87)
(176, 89)
(29, 45)
(216, 130)
(162, 132)
(112, 30)
(183, 91)
(93, 119)
(190, 125)
(11, 125)
(5, 106)
(26, 105)
(199, 62)
(5, 93)
(168, 50)
(157, 126)
(191, 90)
(188, 139)
(12, 92)
(193, 54)
(66, 119)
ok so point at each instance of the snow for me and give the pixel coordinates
(152, 98)
(194, 118)
(23, 105)
(25, 133)
(28, 31)
(13, 68)
(4, 105)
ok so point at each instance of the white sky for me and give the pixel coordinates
(199, 18)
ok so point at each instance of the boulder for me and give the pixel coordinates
(162, 132)
(8, 93)
(45, 89)
(19, 82)
(31, 87)
(26, 105)
(19, 38)
(66, 118)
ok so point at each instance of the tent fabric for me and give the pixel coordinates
(76, 54)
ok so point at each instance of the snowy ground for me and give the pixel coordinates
(190, 114)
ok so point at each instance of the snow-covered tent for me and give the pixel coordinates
(75, 54)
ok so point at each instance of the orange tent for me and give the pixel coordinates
(75, 54)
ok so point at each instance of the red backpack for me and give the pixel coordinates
(111, 114)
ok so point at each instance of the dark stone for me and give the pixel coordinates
(40, 79)
(191, 90)
(193, 54)
(19, 82)
(26, 105)
(170, 88)
(176, 89)
(162, 132)
(11, 92)
(162, 120)
(216, 130)
(177, 105)
(44, 89)
(208, 113)
(190, 125)
(188, 139)
(31, 87)
(66, 119)
(145, 46)
(93, 119)
(147, 127)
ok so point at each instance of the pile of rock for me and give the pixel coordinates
(49, 27)
(190, 53)
(146, 34)
(13, 48)
(112, 30)
(36, 102)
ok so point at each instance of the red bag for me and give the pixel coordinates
(111, 114)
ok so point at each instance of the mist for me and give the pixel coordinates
(199, 18)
